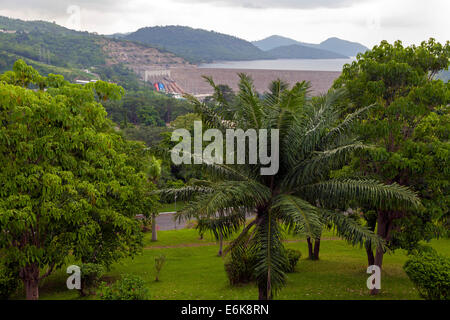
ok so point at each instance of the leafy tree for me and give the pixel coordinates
(410, 128)
(69, 183)
(301, 196)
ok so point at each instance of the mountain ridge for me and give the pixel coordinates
(297, 51)
(333, 44)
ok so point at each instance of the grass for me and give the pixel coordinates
(194, 271)
(170, 207)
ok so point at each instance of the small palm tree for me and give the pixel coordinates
(154, 173)
(302, 196)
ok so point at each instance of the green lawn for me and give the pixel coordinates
(193, 271)
(170, 207)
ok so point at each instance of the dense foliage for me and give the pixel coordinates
(129, 287)
(69, 182)
(430, 273)
(410, 128)
(91, 274)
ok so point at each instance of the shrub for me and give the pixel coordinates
(130, 287)
(9, 281)
(90, 277)
(430, 273)
(146, 224)
(159, 262)
(292, 256)
(240, 267)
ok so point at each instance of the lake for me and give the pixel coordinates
(282, 64)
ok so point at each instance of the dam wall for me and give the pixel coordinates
(190, 79)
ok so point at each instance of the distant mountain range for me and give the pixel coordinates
(198, 45)
(336, 45)
(297, 51)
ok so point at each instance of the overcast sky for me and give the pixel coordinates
(364, 21)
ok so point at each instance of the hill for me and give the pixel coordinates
(297, 51)
(33, 26)
(273, 42)
(342, 47)
(51, 48)
(197, 45)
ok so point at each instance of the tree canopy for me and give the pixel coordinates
(70, 184)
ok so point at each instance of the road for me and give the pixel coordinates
(165, 222)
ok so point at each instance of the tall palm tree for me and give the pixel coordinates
(302, 196)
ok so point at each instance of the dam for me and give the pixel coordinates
(190, 80)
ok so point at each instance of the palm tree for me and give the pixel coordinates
(302, 196)
(154, 173)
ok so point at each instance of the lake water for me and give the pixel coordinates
(283, 64)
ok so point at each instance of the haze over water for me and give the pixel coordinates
(283, 64)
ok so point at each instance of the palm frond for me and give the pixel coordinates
(338, 192)
(299, 216)
(349, 229)
(270, 257)
(227, 195)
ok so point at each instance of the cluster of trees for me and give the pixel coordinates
(147, 108)
(377, 143)
(70, 184)
(409, 128)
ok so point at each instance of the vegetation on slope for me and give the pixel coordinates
(197, 45)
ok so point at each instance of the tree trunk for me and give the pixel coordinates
(310, 249)
(154, 235)
(371, 224)
(262, 290)
(30, 278)
(370, 256)
(316, 248)
(383, 231)
(220, 244)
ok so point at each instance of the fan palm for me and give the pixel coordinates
(301, 197)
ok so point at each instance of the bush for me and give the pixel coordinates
(293, 256)
(130, 287)
(240, 267)
(90, 277)
(159, 262)
(430, 273)
(9, 281)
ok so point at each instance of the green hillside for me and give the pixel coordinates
(297, 51)
(197, 45)
(29, 26)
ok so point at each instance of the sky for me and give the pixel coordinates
(364, 21)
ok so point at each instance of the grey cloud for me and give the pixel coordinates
(292, 4)
(58, 8)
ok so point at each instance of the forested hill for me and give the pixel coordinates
(51, 48)
(197, 45)
(29, 26)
